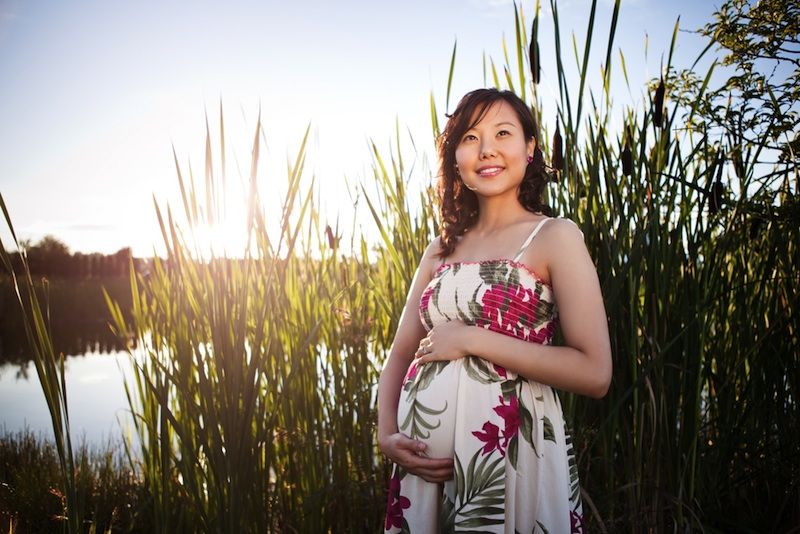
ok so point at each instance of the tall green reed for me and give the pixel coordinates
(50, 370)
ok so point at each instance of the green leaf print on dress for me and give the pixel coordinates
(549, 432)
(475, 309)
(480, 370)
(418, 378)
(436, 290)
(526, 426)
(493, 273)
(479, 493)
(463, 317)
(415, 422)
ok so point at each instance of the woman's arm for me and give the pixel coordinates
(564, 368)
(583, 366)
(400, 448)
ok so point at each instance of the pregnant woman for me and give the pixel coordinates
(468, 412)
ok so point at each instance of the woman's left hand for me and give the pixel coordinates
(444, 342)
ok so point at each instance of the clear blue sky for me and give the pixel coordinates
(93, 94)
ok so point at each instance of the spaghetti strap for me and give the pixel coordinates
(530, 238)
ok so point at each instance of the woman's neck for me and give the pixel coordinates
(495, 214)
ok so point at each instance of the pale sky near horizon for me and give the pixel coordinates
(93, 95)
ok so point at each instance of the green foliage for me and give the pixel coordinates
(50, 370)
(755, 104)
(30, 498)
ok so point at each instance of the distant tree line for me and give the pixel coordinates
(52, 258)
(78, 315)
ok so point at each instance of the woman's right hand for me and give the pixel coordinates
(409, 454)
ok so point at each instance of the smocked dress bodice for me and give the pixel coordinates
(502, 295)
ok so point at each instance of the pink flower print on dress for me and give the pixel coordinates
(545, 334)
(491, 437)
(395, 504)
(491, 433)
(511, 421)
(424, 312)
(426, 296)
(411, 374)
(503, 307)
(576, 523)
(492, 302)
(500, 370)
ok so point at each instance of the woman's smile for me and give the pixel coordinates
(490, 170)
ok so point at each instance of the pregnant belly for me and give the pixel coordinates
(442, 401)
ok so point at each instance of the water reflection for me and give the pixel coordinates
(79, 318)
(95, 360)
(95, 393)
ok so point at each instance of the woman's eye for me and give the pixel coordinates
(471, 137)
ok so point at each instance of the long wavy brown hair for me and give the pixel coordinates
(457, 204)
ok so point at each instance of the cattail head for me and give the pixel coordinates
(714, 197)
(755, 227)
(626, 158)
(331, 239)
(738, 162)
(558, 150)
(533, 54)
(658, 104)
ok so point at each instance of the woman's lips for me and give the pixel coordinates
(490, 171)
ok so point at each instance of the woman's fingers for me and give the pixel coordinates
(425, 345)
(433, 474)
(411, 460)
(407, 453)
(411, 444)
(434, 479)
(430, 469)
(432, 463)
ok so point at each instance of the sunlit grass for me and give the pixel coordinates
(50, 370)
(111, 494)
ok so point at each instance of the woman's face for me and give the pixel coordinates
(492, 156)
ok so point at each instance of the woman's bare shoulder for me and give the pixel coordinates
(565, 247)
(431, 260)
(558, 228)
(433, 248)
(560, 240)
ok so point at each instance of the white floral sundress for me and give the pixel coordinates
(514, 466)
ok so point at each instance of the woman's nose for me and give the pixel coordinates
(487, 149)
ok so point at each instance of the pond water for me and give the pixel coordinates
(98, 408)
